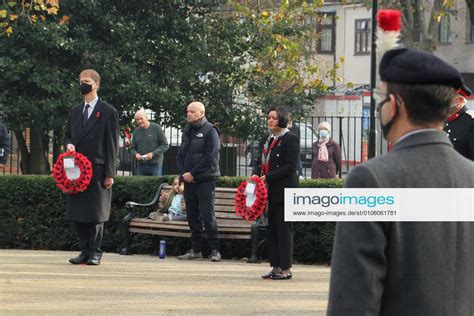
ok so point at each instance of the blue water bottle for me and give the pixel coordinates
(162, 254)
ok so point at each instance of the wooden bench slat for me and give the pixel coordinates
(164, 226)
(235, 236)
(186, 233)
(155, 226)
(224, 208)
(224, 224)
(224, 202)
(177, 234)
(159, 233)
(220, 216)
(226, 212)
(225, 193)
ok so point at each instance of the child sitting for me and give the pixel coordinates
(174, 207)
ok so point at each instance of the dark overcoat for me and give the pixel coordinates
(98, 141)
(406, 268)
(326, 169)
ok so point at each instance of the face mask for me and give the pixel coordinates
(85, 88)
(323, 134)
(386, 127)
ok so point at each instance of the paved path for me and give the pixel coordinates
(43, 283)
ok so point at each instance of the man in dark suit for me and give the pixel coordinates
(92, 130)
(407, 268)
(460, 125)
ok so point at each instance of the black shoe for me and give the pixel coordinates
(94, 260)
(215, 256)
(268, 275)
(281, 276)
(82, 258)
(191, 255)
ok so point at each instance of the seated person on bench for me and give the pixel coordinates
(173, 204)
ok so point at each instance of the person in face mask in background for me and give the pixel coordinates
(326, 155)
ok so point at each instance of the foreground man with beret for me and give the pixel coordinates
(407, 268)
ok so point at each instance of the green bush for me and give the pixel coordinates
(33, 216)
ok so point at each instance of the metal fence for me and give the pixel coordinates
(237, 156)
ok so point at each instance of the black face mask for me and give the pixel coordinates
(386, 127)
(85, 88)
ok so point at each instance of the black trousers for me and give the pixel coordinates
(90, 237)
(199, 198)
(280, 238)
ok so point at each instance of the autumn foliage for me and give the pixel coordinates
(33, 10)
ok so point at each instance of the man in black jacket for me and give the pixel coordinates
(198, 166)
(4, 145)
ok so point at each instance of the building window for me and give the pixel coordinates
(362, 37)
(472, 32)
(327, 33)
(445, 29)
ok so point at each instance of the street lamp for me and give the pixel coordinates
(373, 77)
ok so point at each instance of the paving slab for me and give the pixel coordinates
(44, 283)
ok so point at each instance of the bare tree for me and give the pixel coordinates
(421, 19)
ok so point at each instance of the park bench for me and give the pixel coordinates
(229, 225)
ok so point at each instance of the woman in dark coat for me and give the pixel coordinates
(277, 164)
(326, 155)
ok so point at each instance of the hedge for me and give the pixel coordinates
(32, 216)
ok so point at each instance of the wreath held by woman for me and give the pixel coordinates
(251, 198)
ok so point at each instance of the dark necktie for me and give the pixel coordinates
(85, 115)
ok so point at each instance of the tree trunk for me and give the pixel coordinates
(46, 140)
(57, 143)
(25, 155)
(37, 152)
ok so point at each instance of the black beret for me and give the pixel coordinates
(411, 66)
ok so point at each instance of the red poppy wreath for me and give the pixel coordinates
(74, 185)
(242, 207)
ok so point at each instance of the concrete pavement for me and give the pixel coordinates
(44, 283)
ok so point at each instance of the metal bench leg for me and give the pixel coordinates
(156, 245)
(254, 244)
(126, 244)
(127, 237)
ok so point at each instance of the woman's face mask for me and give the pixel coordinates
(323, 133)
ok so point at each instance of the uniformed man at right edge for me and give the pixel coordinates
(460, 124)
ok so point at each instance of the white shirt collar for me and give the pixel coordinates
(92, 104)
